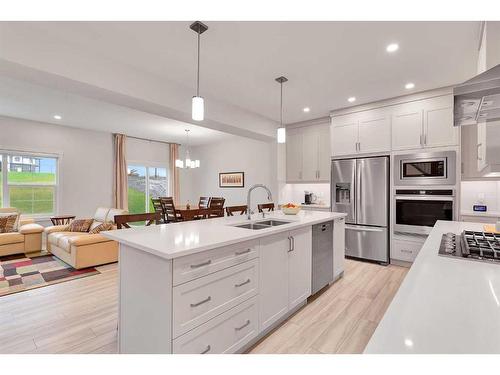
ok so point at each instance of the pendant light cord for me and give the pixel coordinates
(198, 68)
(281, 104)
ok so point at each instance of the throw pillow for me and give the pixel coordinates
(101, 227)
(7, 223)
(80, 225)
(17, 215)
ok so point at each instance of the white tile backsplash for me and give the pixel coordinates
(485, 192)
(295, 192)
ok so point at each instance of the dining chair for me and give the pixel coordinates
(204, 202)
(265, 206)
(123, 221)
(216, 207)
(171, 214)
(158, 208)
(231, 210)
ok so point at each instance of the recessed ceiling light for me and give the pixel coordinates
(57, 117)
(352, 99)
(307, 109)
(393, 47)
(409, 85)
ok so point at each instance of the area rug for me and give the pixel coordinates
(21, 272)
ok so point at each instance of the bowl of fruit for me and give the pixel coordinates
(290, 209)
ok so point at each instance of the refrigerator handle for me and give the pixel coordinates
(358, 187)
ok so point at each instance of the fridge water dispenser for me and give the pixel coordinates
(343, 193)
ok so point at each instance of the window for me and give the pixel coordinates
(28, 183)
(145, 182)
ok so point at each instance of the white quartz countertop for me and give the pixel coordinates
(178, 239)
(444, 305)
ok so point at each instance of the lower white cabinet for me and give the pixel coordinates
(285, 273)
(299, 267)
(226, 333)
(406, 251)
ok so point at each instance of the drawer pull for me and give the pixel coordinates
(243, 283)
(201, 264)
(207, 349)
(201, 302)
(243, 252)
(406, 251)
(243, 326)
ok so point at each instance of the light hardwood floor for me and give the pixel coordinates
(80, 316)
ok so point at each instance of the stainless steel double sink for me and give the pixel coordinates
(262, 224)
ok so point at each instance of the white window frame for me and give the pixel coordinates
(30, 154)
(147, 165)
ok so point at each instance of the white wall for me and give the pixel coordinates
(256, 158)
(86, 159)
(484, 192)
(295, 193)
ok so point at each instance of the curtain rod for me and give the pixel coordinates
(152, 140)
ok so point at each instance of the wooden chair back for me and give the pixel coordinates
(158, 208)
(265, 206)
(123, 221)
(231, 210)
(167, 204)
(204, 202)
(216, 207)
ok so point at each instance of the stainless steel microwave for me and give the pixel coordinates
(426, 168)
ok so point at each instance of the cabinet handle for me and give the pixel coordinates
(425, 139)
(479, 157)
(289, 243)
(406, 251)
(359, 146)
(243, 326)
(207, 349)
(201, 264)
(242, 252)
(300, 175)
(243, 283)
(292, 243)
(421, 143)
(201, 302)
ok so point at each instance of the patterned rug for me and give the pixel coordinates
(22, 272)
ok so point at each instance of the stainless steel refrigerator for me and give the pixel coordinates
(360, 188)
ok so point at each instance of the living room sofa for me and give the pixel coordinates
(82, 249)
(27, 238)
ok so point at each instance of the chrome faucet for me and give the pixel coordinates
(269, 197)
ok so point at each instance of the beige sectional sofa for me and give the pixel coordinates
(27, 238)
(82, 249)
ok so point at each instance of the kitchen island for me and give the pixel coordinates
(444, 305)
(217, 285)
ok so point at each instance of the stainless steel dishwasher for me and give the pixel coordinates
(322, 255)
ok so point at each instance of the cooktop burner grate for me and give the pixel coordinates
(481, 245)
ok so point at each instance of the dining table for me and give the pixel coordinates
(191, 213)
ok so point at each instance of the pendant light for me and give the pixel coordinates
(281, 133)
(197, 104)
(187, 163)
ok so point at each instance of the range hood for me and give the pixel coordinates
(478, 99)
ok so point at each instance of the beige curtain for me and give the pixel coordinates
(174, 173)
(120, 186)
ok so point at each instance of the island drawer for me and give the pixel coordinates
(191, 267)
(200, 300)
(405, 250)
(226, 333)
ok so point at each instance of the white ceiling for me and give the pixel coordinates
(325, 62)
(38, 103)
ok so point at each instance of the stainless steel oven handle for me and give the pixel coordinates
(449, 198)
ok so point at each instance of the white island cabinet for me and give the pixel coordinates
(211, 287)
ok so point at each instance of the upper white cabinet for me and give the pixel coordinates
(416, 124)
(308, 154)
(424, 123)
(361, 132)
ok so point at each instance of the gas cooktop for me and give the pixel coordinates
(481, 246)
